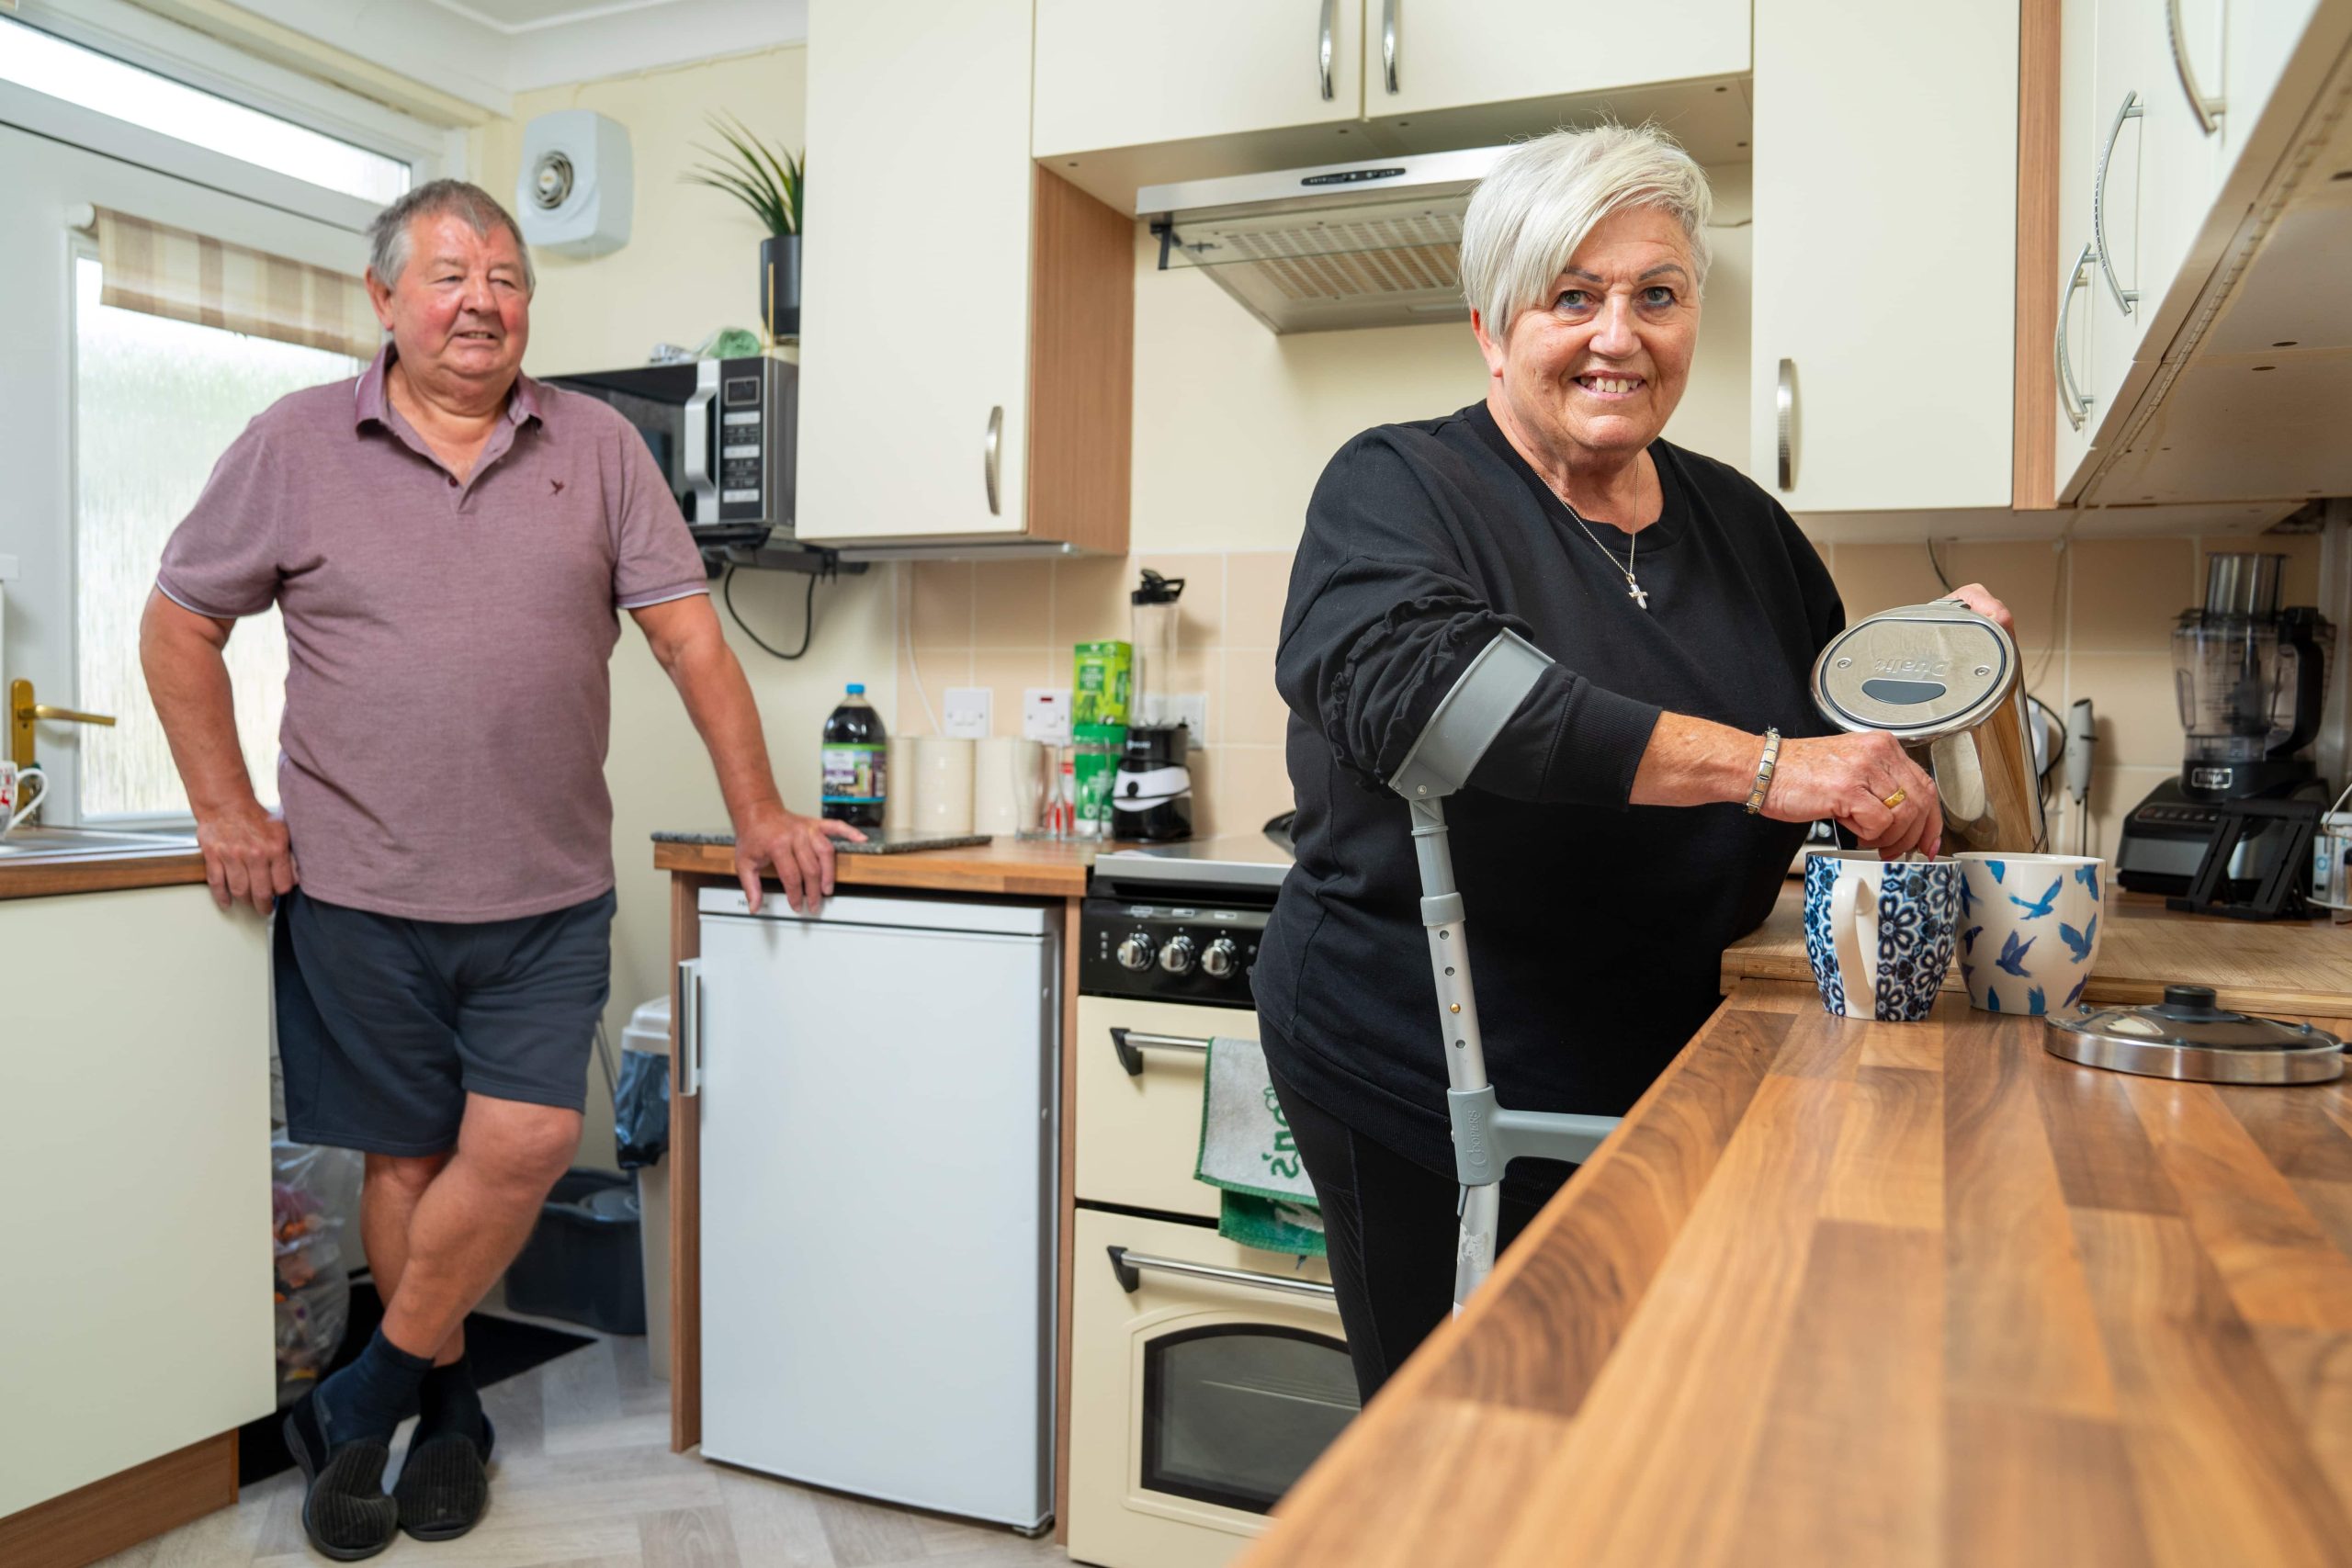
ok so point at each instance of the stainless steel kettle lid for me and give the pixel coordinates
(1917, 673)
(2188, 1036)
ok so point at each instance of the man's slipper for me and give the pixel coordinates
(445, 1485)
(345, 1511)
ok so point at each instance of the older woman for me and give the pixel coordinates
(1603, 847)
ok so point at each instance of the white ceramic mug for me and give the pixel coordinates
(943, 783)
(16, 784)
(2029, 928)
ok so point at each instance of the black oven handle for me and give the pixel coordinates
(1129, 1267)
(1131, 1044)
(694, 462)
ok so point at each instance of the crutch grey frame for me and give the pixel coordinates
(1486, 1137)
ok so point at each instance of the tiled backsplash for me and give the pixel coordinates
(2093, 621)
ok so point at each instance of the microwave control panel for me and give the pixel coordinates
(742, 444)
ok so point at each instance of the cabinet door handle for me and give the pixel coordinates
(2128, 109)
(2208, 111)
(1323, 57)
(1388, 43)
(687, 1077)
(2072, 401)
(1784, 405)
(1129, 1266)
(995, 445)
(1131, 1044)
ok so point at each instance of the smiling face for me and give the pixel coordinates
(460, 313)
(1591, 372)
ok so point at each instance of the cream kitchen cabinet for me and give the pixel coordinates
(1882, 350)
(1131, 75)
(967, 328)
(1420, 56)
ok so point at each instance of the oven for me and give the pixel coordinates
(1205, 1376)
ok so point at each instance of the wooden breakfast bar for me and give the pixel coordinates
(1850, 1293)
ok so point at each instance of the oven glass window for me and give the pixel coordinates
(1233, 1414)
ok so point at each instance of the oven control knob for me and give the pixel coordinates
(1135, 951)
(1177, 956)
(1221, 959)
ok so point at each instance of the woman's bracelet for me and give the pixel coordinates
(1764, 772)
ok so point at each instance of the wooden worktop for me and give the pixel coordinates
(1038, 868)
(42, 876)
(1853, 1292)
(2294, 968)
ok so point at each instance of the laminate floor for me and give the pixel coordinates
(583, 1478)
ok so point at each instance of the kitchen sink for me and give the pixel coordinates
(83, 843)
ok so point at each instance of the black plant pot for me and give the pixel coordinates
(780, 284)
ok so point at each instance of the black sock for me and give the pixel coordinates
(449, 1402)
(368, 1398)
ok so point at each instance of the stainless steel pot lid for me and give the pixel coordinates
(2186, 1036)
(1917, 673)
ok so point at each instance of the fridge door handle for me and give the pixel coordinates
(687, 1077)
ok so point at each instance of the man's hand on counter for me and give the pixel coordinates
(798, 851)
(247, 855)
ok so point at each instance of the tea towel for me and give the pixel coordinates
(1247, 1153)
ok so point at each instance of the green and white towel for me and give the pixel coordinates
(1247, 1153)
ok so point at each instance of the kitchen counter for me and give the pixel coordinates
(2289, 969)
(1038, 868)
(1844, 1292)
(44, 875)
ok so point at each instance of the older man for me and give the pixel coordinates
(449, 541)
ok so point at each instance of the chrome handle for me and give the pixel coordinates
(1784, 402)
(687, 1076)
(2129, 109)
(995, 443)
(2072, 401)
(1389, 42)
(1131, 1044)
(1323, 56)
(1129, 1266)
(695, 437)
(2208, 111)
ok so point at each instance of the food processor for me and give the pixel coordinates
(1151, 796)
(2251, 677)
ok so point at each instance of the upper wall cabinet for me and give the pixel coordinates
(1885, 255)
(1420, 56)
(967, 330)
(1130, 74)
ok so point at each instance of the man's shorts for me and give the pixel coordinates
(385, 1025)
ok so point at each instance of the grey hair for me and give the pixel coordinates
(1530, 214)
(387, 234)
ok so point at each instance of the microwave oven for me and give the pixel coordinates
(722, 431)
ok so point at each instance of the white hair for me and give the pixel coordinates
(1529, 215)
(388, 236)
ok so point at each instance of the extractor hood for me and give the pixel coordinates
(1374, 244)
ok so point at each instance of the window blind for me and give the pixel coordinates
(193, 278)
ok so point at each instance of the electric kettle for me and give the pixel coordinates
(1946, 683)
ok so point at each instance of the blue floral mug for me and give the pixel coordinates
(1879, 933)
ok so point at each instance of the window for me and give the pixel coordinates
(33, 59)
(157, 402)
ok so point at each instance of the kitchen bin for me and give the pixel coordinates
(582, 1263)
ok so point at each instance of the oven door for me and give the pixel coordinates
(1195, 1401)
(1141, 1069)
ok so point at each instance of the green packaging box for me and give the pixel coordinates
(1101, 682)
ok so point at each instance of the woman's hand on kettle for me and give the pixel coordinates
(1849, 780)
(797, 850)
(1977, 598)
(247, 856)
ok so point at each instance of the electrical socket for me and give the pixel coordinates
(1191, 708)
(965, 715)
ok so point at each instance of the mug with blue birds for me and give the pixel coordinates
(2029, 928)
(1880, 933)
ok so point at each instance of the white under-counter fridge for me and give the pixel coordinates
(876, 1089)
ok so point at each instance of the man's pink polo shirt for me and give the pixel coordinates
(448, 704)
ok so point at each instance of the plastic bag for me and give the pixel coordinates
(311, 1189)
(642, 1110)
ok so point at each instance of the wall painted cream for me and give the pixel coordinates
(691, 266)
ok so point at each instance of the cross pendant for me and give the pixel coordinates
(1635, 592)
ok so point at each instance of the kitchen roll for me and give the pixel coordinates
(942, 785)
(1007, 785)
(899, 805)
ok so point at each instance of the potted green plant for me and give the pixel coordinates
(769, 181)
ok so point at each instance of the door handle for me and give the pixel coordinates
(2073, 401)
(1388, 43)
(1323, 58)
(694, 436)
(1129, 1266)
(1784, 409)
(1131, 1044)
(686, 1080)
(2129, 109)
(2208, 111)
(995, 445)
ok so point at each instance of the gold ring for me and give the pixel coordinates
(1897, 799)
